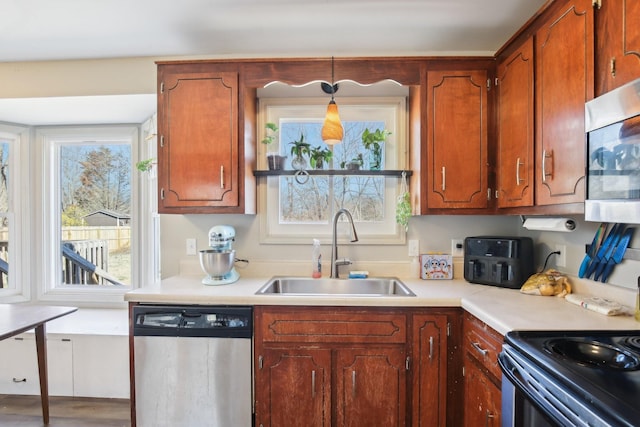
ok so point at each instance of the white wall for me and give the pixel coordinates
(434, 232)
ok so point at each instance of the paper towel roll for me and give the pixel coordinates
(550, 224)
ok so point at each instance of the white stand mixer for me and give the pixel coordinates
(218, 262)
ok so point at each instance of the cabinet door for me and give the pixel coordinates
(19, 368)
(370, 387)
(293, 387)
(617, 44)
(564, 81)
(515, 128)
(456, 160)
(429, 370)
(198, 145)
(482, 398)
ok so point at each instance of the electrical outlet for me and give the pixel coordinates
(191, 247)
(457, 247)
(561, 259)
(414, 247)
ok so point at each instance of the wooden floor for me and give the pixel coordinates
(25, 411)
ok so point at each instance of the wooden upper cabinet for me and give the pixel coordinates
(617, 44)
(198, 150)
(564, 82)
(515, 118)
(455, 166)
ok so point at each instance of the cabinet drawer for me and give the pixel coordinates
(320, 325)
(482, 343)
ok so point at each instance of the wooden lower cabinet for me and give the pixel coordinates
(482, 397)
(371, 386)
(297, 387)
(429, 339)
(482, 375)
(352, 366)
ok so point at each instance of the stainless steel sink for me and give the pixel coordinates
(303, 286)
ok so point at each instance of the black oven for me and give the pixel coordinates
(613, 156)
(589, 378)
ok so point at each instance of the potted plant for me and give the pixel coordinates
(318, 156)
(373, 141)
(146, 165)
(353, 164)
(299, 149)
(274, 160)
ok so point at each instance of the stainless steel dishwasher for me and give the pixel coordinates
(193, 366)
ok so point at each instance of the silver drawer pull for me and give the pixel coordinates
(16, 380)
(430, 348)
(353, 384)
(481, 350)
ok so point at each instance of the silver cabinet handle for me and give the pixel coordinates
(430, 348)
(353, 384)
(222, 176)
(487, 416)
(518, 164)
(545, 156)
(313, 384)
(444, 178)
(19, 380)
(481, 350)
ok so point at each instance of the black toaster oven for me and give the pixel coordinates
(498, 261)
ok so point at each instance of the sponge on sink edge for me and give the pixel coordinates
(358, 274)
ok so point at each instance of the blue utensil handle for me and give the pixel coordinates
(584, 266)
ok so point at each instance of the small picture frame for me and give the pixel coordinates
(436, 266)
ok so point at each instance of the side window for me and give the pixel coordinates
(6, 210)
(296, 208)
(89, 211)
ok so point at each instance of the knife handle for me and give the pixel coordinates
(601, 265)
(584, 266)
(607, 270)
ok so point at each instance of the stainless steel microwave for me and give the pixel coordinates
(613, 156)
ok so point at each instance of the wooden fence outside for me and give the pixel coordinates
(117, 238)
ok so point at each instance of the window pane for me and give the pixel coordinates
(95, 196)
(4, 218)
(316, 199)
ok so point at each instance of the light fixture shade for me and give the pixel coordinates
(332, 132)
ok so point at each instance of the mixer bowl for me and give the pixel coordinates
(217, 264)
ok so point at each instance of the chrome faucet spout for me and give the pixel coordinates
(335, 274)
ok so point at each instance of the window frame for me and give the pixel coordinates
(48, 141)
(314, 107)
(18, 138)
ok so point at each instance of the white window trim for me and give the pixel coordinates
(47, 217)
(302, 235)
(19, 276)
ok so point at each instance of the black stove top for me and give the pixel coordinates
(601, 369)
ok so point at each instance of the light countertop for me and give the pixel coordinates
(502, 309)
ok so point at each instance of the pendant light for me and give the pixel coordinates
(332, 132)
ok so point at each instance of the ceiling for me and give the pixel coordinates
(42, 30)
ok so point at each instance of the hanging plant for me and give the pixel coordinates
(146, 165)
(403, 206)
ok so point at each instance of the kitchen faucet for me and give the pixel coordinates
(335, 263)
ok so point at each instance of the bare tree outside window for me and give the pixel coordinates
(95, 195)
(316, 200)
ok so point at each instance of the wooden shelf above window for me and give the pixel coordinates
(334, 172)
